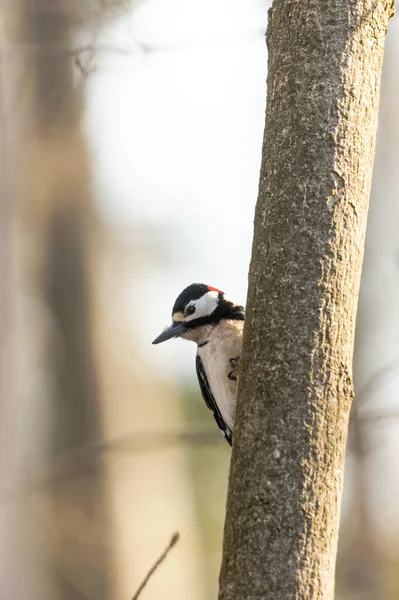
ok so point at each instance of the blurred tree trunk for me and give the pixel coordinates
(295, 387)
(54, 234)
(369, 562)
(14, 579)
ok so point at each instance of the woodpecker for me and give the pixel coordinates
(204, 315)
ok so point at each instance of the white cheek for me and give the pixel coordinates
(204, 306)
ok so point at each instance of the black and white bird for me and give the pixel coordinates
(215, 323)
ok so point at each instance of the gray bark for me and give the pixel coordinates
(295, 387)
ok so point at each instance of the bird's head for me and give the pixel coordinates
(197, 306)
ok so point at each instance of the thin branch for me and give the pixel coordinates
(175, 538)
(85, 69)
(63, 50)
(83, 459)
(383, 375)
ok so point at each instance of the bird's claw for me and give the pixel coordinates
(234, 364)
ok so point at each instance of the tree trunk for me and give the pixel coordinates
(295, 386)
(15, 574)
(54, 235)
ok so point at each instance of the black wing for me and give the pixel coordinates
(210, 400)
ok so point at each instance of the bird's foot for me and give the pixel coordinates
(234, 364)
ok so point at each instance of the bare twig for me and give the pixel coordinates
(383, 375)
(87, 65)
(63, 50)
(85, 69)
(84, 458)
(175, 538)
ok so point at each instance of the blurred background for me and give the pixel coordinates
(130, 144)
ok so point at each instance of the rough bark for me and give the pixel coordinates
(295, 387)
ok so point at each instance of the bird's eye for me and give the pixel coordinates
(190, 310)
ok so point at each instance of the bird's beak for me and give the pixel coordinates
(170, 332)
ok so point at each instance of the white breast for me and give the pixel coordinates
(224, 343)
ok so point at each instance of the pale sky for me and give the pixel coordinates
(175, 121)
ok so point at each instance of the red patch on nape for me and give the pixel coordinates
(212, 289)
